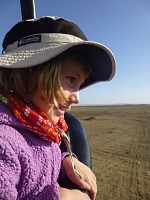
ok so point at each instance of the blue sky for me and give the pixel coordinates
(121, 25)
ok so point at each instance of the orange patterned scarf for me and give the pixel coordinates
(33, 118)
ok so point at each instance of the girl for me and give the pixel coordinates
(46, 62)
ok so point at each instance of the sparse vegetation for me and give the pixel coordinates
(119, 138)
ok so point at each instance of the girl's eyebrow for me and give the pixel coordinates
(73, 73)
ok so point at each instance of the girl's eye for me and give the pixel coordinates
(70, 79)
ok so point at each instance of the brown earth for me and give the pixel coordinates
(119, 139)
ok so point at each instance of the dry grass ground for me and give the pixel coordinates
(119, 138)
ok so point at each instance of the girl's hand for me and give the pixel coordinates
(88, 181)
(74, 194)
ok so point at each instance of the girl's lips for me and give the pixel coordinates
(64, 108)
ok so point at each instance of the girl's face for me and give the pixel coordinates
(72, 76)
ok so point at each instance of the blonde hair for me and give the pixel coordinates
(45, 77)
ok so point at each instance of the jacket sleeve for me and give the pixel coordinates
(10, 170)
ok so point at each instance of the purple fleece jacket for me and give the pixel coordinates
(29, 166)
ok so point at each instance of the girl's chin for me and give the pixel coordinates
(59, 112)
(56, 114)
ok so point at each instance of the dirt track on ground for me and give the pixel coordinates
(119, 139)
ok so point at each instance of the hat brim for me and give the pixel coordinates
(101, 58)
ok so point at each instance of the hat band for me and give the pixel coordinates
(44, 38)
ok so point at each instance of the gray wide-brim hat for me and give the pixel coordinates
(35, 41)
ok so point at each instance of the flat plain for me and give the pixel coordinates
(119, 139)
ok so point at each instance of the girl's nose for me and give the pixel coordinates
(74, 97)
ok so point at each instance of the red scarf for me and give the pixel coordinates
(33, 118)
